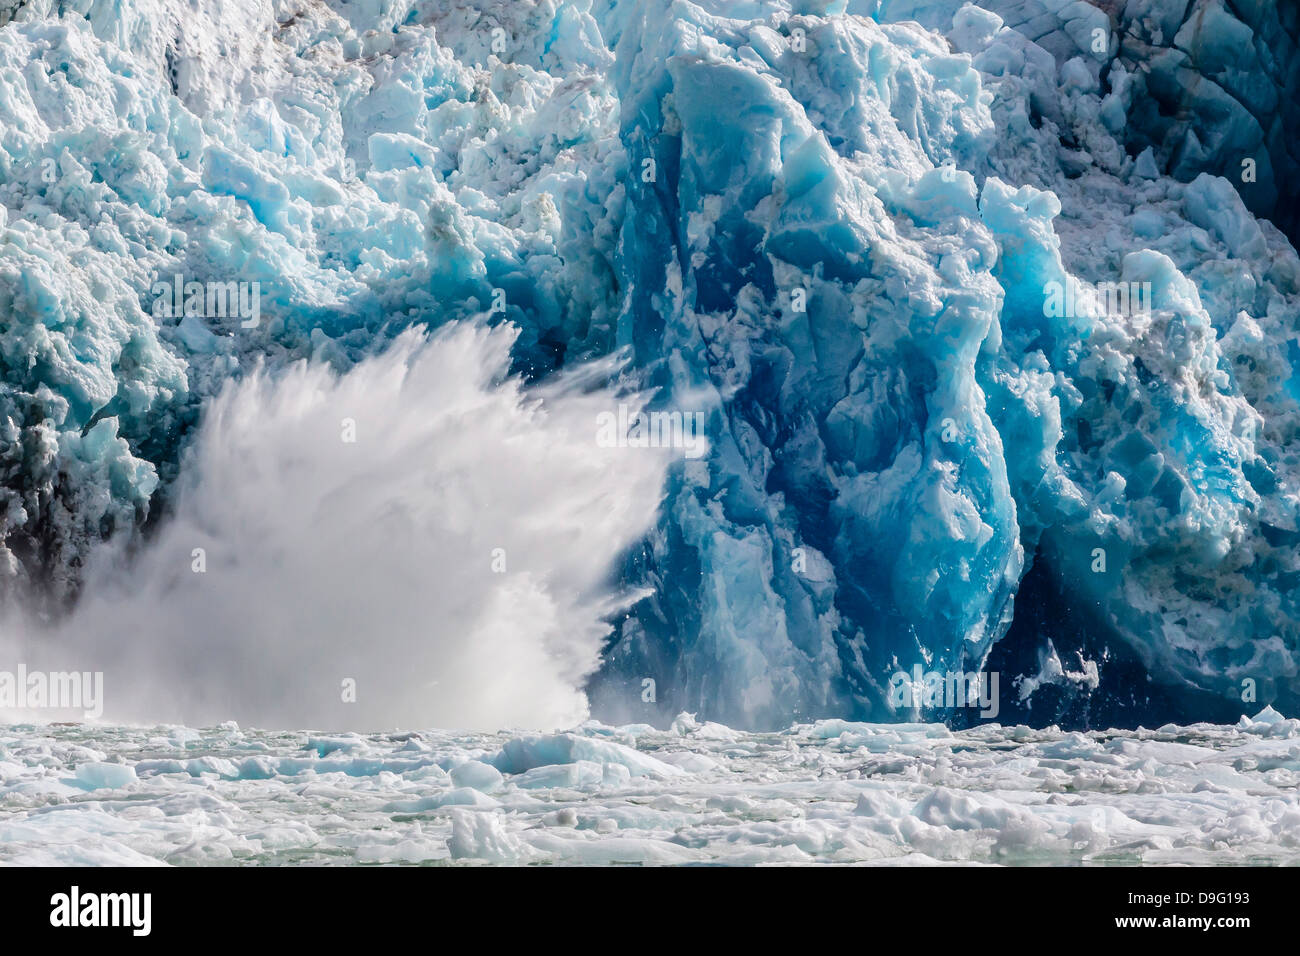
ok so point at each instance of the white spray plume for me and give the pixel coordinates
(372, 561)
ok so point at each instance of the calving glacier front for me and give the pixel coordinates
(872, 248)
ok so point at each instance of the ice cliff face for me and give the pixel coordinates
(862, 238)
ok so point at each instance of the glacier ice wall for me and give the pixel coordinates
(832, 227)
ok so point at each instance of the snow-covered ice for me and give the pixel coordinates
(828, 792)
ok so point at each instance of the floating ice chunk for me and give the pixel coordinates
(403, 851)
(878, 803)
(690, 762)
(484, 836)
(456, 797)
(324, 746)
(609, 851)
(477, 775)
(580, 775)
(686, 725)
(1268, 716)
(525, 753)
(836, 727)
(257, 768)
(95, 775)
(1052, 671)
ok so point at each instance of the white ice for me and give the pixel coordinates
(829, 792)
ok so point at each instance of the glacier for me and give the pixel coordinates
(839, 230)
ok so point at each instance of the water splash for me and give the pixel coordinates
(375, 561)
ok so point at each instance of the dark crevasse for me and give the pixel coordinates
(1052, 627)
